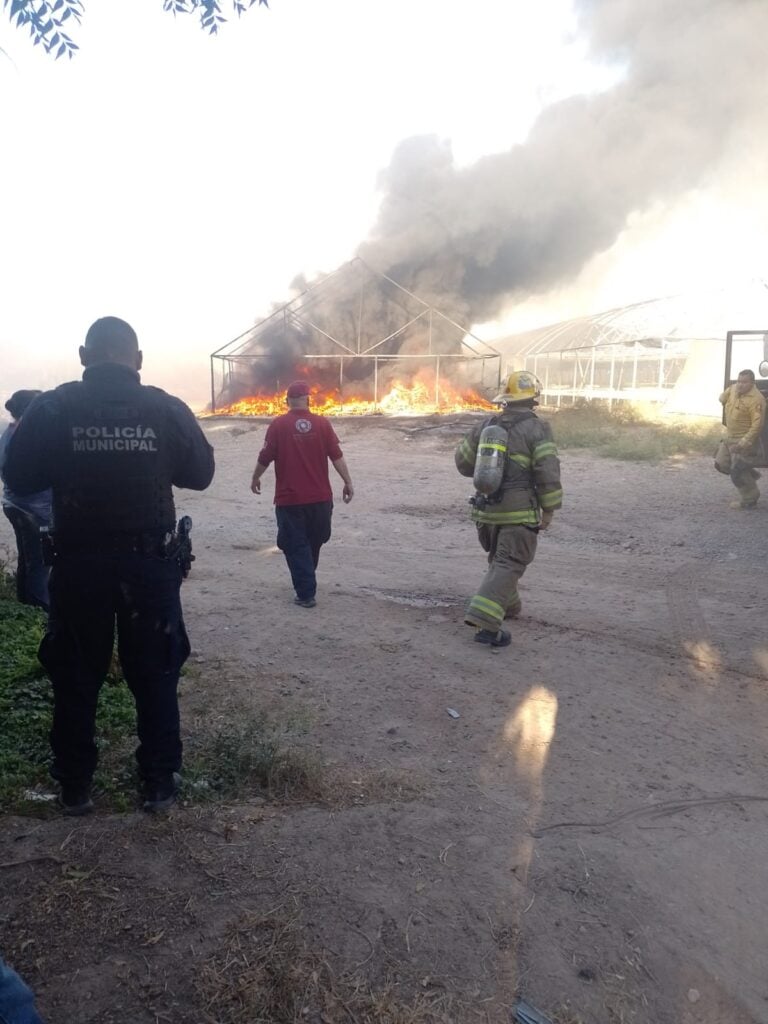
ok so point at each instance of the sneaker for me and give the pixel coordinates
(161, 796)
(308, 602)
(493, 637)
(75, 800)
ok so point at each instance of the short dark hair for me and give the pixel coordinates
(110, 337)
(747, 373)
(20, 401)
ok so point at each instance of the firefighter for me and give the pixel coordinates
(513, 460)
(742, 449)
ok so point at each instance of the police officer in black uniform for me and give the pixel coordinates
(111, 449)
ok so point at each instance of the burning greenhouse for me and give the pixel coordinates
(365, 344)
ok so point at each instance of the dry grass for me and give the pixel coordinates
(625, 433)
(565, 1015)
(254, 754)
(264, 974)
(266, 756)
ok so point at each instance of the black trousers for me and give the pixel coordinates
(94, 592)
(31, 574)
(301, 532)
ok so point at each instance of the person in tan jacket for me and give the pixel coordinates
(741, 449)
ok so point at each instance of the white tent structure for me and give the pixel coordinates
(670, 352)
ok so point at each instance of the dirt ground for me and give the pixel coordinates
(589, 832)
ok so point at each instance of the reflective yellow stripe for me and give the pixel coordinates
(493, 446)
(521, 460)
(484, 604)
(467, 451)
(551, 498)
(521, 517)
(541, 451)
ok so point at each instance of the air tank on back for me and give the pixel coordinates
(490, 460)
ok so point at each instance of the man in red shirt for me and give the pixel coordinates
(300, 443)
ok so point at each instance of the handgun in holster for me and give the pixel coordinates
(47, 546)
(179, 545)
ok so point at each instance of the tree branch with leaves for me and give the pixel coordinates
(47, 21)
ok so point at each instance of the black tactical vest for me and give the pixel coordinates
(117, 453)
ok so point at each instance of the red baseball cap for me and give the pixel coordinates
(297, 389)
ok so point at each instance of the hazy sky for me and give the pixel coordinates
(182, 182)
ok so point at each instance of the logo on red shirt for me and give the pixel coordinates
(303, 426)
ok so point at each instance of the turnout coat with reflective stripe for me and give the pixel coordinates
(744, 415)
(531, 481)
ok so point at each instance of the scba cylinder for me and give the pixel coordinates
(490, 460)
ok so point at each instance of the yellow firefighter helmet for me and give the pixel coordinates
(520, 387)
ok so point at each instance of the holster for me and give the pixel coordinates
(179, 545)
(47, 546)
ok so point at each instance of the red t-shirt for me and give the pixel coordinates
(300, 443)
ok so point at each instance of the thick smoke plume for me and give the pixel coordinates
(518, 223)
(472, 240)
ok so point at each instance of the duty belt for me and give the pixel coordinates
(114, 543)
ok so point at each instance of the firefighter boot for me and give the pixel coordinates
(493, 637)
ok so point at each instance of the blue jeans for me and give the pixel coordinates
(301, 532)
(92, 592)
(17, 1004)
(31, 574)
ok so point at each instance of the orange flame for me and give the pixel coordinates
(416, 399)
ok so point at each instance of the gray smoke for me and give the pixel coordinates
(518, 223)
(360, 310)
(470, 241)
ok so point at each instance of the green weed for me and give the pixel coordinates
(241, 757)
(7, 584)
(26, 710)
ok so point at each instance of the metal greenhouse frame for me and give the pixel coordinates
(423, 326)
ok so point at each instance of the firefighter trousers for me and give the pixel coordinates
(511, 549)
(741, 469)
(744, 478)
